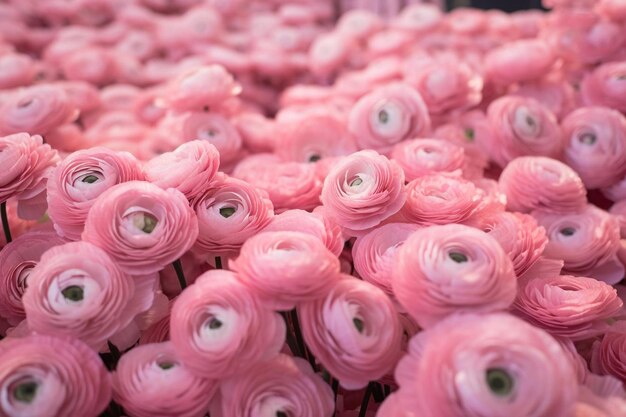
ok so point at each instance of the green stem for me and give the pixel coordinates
(366, 400)
(5, 222)
(178, 267)
(218, 262)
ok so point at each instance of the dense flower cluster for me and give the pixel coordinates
(267, 208)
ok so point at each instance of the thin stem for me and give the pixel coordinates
(296, 326)
(291, 342)
(178, 267)
(387, 390)
(218, 262)
(5, 222)
(366, 400)
(377, 391)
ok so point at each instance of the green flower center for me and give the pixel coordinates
(358, 323)
(458, 257)
(145, 222)
(90, 179)
(500, 382)
(568, 231)
(226, 212)
(214, 324)
(166, 365)
(587, 138)
(314, 158)
(73, 293)
(26, 392)
(356, 182)
(469, 134)
(383, 116)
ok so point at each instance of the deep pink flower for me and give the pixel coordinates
(609, 354)
(52, 376)
(441, 270)
(606, 86)
(141, 226)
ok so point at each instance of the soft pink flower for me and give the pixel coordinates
(374, 253)
(150, 380)
(77, 290)
(190, 168)
(16, 70)
(362, 190)
(587, 240)
(387, 116)
(596, 145)
(420, 157)
(479, 365)
(92, 64)
(523, 60)
(418, 18)
(606, 86)
(441, 270)
(258, 132)
(285, 268)
(219, 328)
(521, 238)
(17, 260)
(36, 110)
(522, 126)
(359, 24)
(558, 96)
(282, 386)
(576, 308)
(354, 332)
(539, 183)
(141, 226)
(609, 354)
(51, 376)
(329, 52)
(79, 179)
(316, 224)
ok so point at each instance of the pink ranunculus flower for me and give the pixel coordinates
(521, 238)
(78, 290)
(374, 253)
(420, 157)
(52, 376)
(540, 183)
(190, 168)
(36, 110)
(441, 270)
(16, 70)
(359, 24)
(201, 88)
(353, 331)
(577, 308)
(79, 179)
(26, 164)
(229, 212)
(418, 18)
(17, 260)
(587, 241)
(285, 268)
(330, 52)
(606, 86)
(442, 199)
(315, 223)
(362, 190)
(617, 191)
(151, 380)
(387, 116)
(141, 226)
(283, 386)
(479, 365)
(608, 355)
(522, 126)
(519, 61)
(596, 145)
(557, 95)
(219, 328)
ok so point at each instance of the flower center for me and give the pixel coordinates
(26, 392)
(214, 324)
(500, 381)
(469, 134)
(25, 103)
(166, 365)
(90, 179)
(226, 212)
(358, 323)
(356, 182)
(383, 116)
(587, 138)
(73, 293)
(281, 414)
(458, 257)
(145, 222)
(567, 231)
(315, 158)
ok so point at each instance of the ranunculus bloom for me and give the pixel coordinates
(219, 328)
(587, 241)
(354, 332)
(535, 182)
(283, 386)
(52, 376)
(77, 290)
(374, 253)
(576, 308)
(190, 168)
(420, 157)
(285, 268)
(606, 86)
(608, 355)
(17, 260)
(522, 126)
(442, 199)
(557, 95)
(521, 238)
(387, 116)
(150, 380)
(362, 190)
(617, 191)
(201, 88)
(485, 365)
(418, 18)
(26, 163)
(36, 110)
(141, 226)
(316, 224)
(441, 270)
(522, 60)
(16, 70)
(229, 212)
(596, 145)
(79, 179)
